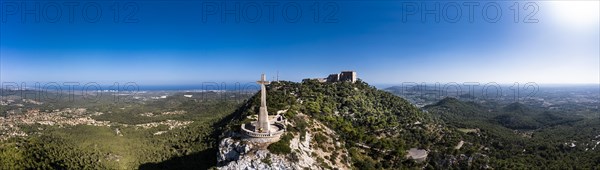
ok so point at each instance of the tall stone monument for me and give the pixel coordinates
(263, 116)
(262, 130)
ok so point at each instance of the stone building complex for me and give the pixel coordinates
(344, 76)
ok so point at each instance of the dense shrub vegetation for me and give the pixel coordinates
(379, 127)
(378, 124)
(282, 146)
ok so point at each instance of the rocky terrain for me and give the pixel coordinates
(306, 152)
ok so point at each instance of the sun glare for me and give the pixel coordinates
(575, 14)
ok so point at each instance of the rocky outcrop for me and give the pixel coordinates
(236, 154)
(232, 150)
(307, 153)
(260, 159)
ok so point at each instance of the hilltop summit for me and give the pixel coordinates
(333, 125)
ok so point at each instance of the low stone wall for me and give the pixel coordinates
(262, 137)
(271, 139)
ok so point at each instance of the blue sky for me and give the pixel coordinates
(386, 42)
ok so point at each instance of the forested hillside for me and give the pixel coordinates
(172, 133)
(377, 126)
(377, 129)
(522, 137)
